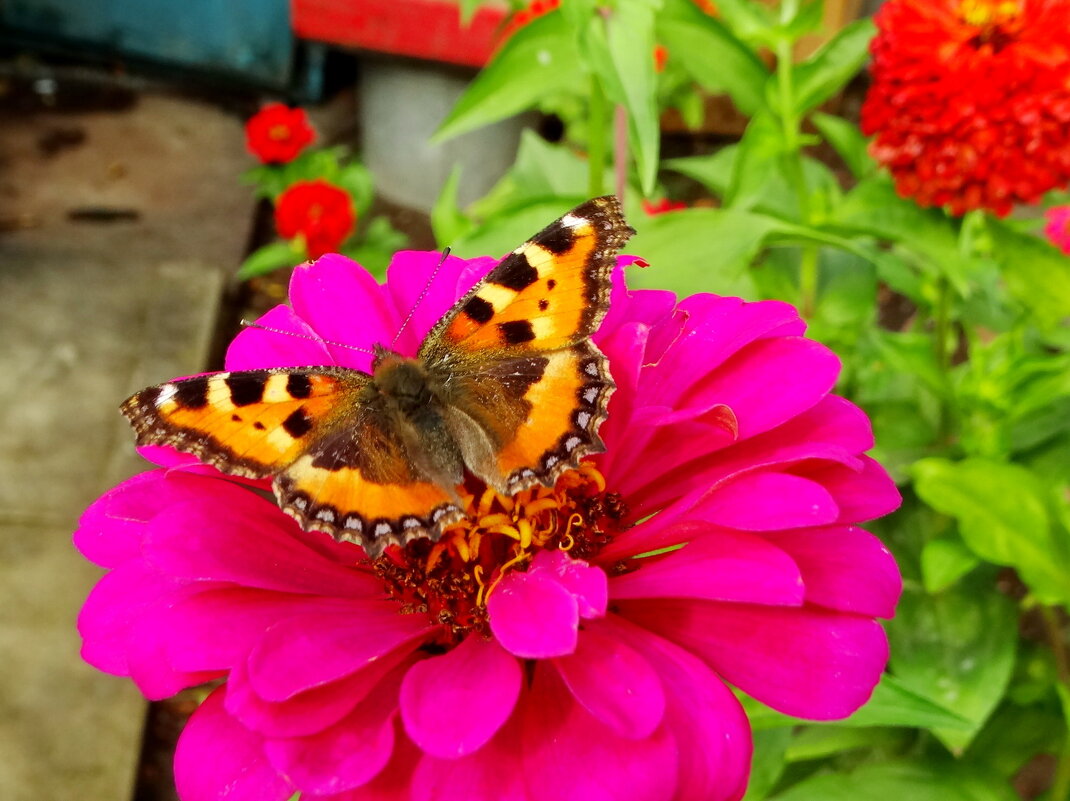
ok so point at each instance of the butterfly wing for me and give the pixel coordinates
(515, 355)
(338, 465)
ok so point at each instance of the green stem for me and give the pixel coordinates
(1060, 788)
(793, 167)
(597, 132)
(808, 275)
(942, 354)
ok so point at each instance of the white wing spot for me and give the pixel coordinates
(590, 394)
(326, 515)
(583, 418)
(591, 369)
(411, 522)
(354, 524)
(571, 443)
(300, 503)
(167, 391)
(382, 529)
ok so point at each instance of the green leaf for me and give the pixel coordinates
(828, 70)
(913, 354)
(911, 781)
(874, 208)
(708, 51)
(357, 179)
(756, 164)
(819, 742)
(713, 171)
(631, 81)
(808, 18)
(847, 140)
(1002, 512)
(271, 257)
(749, 20)
(892, 704)
(767, 763)
(1014, 735)
(1036, 272)
(538, 61)
(448, 222)
(541, 170)
(957, 650)
(699, 250)
(945, 561)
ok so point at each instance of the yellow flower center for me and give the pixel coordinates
(451, 579)
(279, 132)
(989, 14)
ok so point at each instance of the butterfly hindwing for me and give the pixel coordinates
(516, 354)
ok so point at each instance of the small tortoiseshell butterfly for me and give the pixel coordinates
(507, 385)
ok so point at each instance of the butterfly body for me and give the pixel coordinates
(507, 387)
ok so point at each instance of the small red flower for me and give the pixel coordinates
(320, 212)
(970, 102)
(532, 10)
(277, 133)
(661, 56)
(655, 207)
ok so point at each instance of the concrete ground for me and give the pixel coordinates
(118, 231)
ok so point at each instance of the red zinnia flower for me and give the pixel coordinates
(320, 212)
(970, 102)
(655, 207)
(277, 133)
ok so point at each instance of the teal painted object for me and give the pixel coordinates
(245, 39)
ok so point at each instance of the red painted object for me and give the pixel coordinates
(427, 29)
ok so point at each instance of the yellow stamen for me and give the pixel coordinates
(986, 13)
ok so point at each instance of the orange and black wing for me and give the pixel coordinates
(337, 465)
(515, 353)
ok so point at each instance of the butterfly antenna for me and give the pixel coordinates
(248, 324)
(420, 298)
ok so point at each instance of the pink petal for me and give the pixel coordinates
(392, 783)
(424, 285)
(533, 616)
(347, 754)
(307, 651)
(108, 613)
(768, 501)
(810, 663)
(718, 566)
(307, 712)
(217, 628)
(493, 773)
(257, 349)
(861, 495)
(111, 529)
(569, 754)
(250, 543)
(769, 382)
(587, 584)
(453, 704)
(614, 683)
(711, 730)
(217, 759)
(342, 302)
(844, 568)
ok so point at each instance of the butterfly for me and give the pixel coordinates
(507, 386)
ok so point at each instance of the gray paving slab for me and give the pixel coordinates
(89, 314)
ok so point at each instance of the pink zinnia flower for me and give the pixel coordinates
(559, 664)
(1057, 228)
